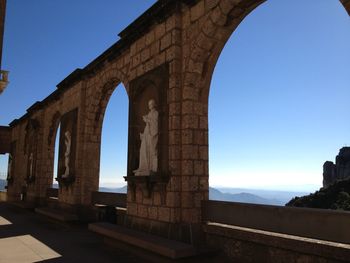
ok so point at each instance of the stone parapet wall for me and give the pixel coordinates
(250, 245)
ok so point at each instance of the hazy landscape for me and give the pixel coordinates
(243, 195)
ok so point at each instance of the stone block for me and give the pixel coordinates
(165, 41)
(142, 211)
(150, 37)
(145, 54)
(140, 70)
(153, 212)
(187, 200)
(175, 183)
(218, 17)
(203, 152)
(203, 122)
(160, 30)
(160, 59)
(173, 199)
(174, 95)
(170, 23)
(174, 152)
(210, 4)
(164, 214)
(174, 122)
(187, 136)
(174, 108)
(209, 28)
(156, 199)
(190, 215)
(227, 5)
(199, 167)
(174, 137)
(132, 208)
(187, 167)
(187, 107)
(190, 152)
(190, 121)
(140, 44)
(203, 184)
(176, 37)
(197, 11)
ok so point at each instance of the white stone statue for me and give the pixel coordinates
(31, 159)
(67, 142)
(149, 140)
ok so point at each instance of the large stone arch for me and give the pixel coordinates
(96, 106)
(214, 30)
(206, 38)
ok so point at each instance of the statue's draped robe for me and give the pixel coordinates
(148, 150)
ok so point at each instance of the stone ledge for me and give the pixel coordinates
(316, 247)
(56, 214)
(165, 247)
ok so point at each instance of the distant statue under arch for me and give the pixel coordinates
(149, 139)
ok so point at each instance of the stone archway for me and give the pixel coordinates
(207, 37)
(96, 106)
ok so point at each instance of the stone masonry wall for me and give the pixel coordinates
(188, 36)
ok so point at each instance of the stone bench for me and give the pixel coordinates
(57, 214)
(162, 246)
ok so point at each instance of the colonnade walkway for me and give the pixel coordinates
(26, 237)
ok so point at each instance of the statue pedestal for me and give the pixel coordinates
(65, 181)
(147, 183)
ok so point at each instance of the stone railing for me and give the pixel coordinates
(3, 80)
(110, 199)
(320, 224)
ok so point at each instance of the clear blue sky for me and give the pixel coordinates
(278, 98)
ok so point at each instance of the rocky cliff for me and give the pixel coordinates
(338, 171)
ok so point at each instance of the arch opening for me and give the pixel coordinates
(54, 183)
(114, 139)
(4, 164)
(278, 102)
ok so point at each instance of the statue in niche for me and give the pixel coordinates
(31, 160)
(148, 161)
(67, 142)
(9, 171)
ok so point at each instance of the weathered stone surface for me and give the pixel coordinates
(185, 39)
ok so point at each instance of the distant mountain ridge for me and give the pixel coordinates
(215, 194)
(223, 194)
(121, 190)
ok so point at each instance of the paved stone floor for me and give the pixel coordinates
(26, 237)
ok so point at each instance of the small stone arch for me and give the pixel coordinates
(97, 102)
(101, 94)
